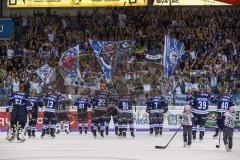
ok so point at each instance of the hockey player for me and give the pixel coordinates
(125, 114)
(156, 107)
(187, 117)
(148, 110)
(36, 103)
(62, 114)
(224, 102)
(83, 106)
(100, 108)
(19, 107)
(112, 112)
(229, 118)
(50, 120)
(199, 103)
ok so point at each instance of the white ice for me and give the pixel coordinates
(85, 147)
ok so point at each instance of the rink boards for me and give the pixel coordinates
(171, 119)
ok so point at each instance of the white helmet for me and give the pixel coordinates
(187, 108)
(232, 109)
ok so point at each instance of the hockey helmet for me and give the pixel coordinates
(200, 87)
(187, 108)
(226, 91)
(232, 109)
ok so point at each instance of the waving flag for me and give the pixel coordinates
(68, 66)
(46, 73)
(109, 53)
(173, 51)
(153, 56)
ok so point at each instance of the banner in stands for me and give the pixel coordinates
(6, 28)
(74, 3)
(153, 56)
(172, 120)
(195, 2)
(46, 73)
(173, 51)
(109, 53)
(68, 66)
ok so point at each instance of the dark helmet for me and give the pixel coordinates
(200, 87)
(226, 90)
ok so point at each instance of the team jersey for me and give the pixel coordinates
(62, 103)
(19, 103)
(199, 102)
(83, 104)
(100, 100)
(36, 102)
(157, 105)
(229, 119)
(187, 119)
(51, 102)
(224, 102)
(125, 104)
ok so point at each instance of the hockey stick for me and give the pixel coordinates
(164, 147)
(219, 139)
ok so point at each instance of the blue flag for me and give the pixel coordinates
(46, 73)
(153, 56)
(173, 51)
(109, 53)
(68, 66)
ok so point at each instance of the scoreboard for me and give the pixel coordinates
(195, 2)
(74, 3)
(116, 3)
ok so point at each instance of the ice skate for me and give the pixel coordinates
(124, 134)
(132, 135)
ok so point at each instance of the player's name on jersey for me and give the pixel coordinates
(74, 3)
(191, 2)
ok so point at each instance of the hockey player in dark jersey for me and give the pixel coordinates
(156, 107)
(228, 119)
(36, 103)
(100, 108)
(125, 114)
(62, 114)
(112, 112)
(83, 105)
(19, 107)
(49, 121)
(224, 102)
(199, 103)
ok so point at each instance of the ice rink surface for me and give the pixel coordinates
(85, 147)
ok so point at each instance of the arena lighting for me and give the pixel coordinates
(74, 3)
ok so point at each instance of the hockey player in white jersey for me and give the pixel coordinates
(187, 117)
(229, 118)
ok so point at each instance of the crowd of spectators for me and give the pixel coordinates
(211, 37)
